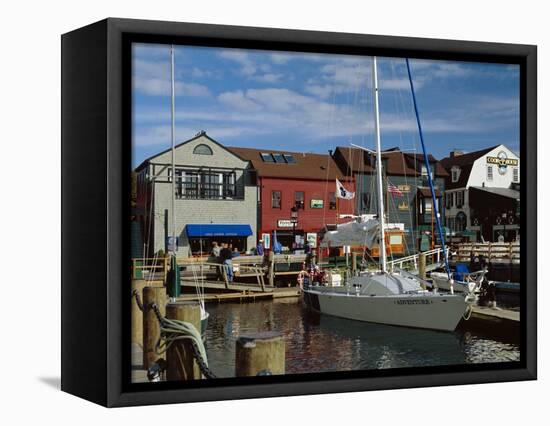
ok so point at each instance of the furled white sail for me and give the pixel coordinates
(353, 234)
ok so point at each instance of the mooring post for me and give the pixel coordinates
(260, 354)
(136, 314)
(151, 325)
(354, 263)
(180, 363)
(271, 277)
(422, 266)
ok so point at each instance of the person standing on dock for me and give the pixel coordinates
(260, 248)
(215, 250)
(225, 258)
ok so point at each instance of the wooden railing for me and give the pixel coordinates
(149, 266)
(493, 252)
(197, 270)
(259, 267)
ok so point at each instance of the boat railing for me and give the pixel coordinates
(435, 256)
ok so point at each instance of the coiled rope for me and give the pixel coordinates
(172, 331)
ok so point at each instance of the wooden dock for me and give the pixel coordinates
(243, 296)
(495, 314)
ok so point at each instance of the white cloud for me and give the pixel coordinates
(162, 87)
(248, 67)
(268, 78)
(281, 58)
(237, 99)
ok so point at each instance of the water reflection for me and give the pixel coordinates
(320, 343)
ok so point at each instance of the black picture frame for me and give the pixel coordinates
(96, 89)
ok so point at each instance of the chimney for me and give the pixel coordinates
(456, 153)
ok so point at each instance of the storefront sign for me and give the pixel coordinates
(403, 206)
(172, 243)
(286, 223)
(404, 188)
(316, 204)
(266, 238)
(502, 161)
(312, 239)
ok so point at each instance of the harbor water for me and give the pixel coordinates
(320, 343)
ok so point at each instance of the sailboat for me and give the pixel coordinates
(173, 281)
(389, 297)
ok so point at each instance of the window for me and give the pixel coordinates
(455, 174)
(428, 205)
(460, 199)
(365, 198)
(515, 172)
(460, 222)
(451, 223)
(299, 199)
(202, 149)
(279, 158)
(275, 199)
(267, 157)
(448, 198)
(210, 185)
(289, 158)
(332, 200)
(489, 172)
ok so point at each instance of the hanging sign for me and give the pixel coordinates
(172, 243)
(266, 238)
(312, 239)
(286, 223)
(316, 204)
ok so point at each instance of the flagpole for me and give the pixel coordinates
(173, 143)
(337, 208)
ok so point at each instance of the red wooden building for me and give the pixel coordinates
(296, 194)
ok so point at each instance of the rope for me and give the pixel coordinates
(135, 294)
(172, 331)
(468, 313)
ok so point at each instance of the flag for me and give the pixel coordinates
(392, 189)
(342, 192)
(277, 247)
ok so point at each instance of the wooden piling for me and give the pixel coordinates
(151, 326)
(271, 258)
(180, 363)
(422, 266)
(260, 354)
(136, 314)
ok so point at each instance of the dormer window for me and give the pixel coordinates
(455, 174)
(202, 149)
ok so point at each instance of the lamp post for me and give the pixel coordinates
(504, 215)
(294, 220)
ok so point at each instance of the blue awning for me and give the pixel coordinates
(218, 230)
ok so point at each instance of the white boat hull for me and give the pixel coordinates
(442, 282)
(423, 310)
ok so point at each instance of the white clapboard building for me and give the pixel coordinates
(482, 194)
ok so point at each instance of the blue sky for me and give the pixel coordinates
(314, 102)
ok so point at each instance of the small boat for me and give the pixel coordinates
(463, 281)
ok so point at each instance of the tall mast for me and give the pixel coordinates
(382, 244)
(435, 209)
(173, 127)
